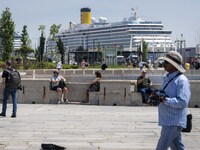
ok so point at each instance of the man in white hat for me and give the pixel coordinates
(174, 97)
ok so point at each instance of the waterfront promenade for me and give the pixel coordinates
(86, 127)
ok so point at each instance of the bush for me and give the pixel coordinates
(43, 65)
(74, 66)
(2, 65)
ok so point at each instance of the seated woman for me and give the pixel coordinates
(94, 86)
(58, 84)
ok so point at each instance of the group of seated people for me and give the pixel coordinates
(58, 84)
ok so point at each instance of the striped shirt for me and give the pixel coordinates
(174, 110)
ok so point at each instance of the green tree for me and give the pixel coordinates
(25, 49)
(54, 29)
(142, 52)
(42, 42)
(25, 37)
(61, 49)
(7, 29)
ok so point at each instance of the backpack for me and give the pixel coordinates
(94, 87)
(13, 80)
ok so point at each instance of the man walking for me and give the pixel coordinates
(174, 97)
(8, 89)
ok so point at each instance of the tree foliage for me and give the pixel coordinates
(42, 28)
(25, 49)
(7, 29)
(25, 37)
(42, 42)
(61, 49)
(143, 53)
(54, 29)
(42, 46)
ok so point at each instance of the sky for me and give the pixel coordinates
(179, 16)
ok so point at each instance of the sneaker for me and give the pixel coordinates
(66, 100)
(3, 115)
(59, 102)
(13, 116)
(85, 101)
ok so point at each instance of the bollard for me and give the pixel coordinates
(33, 74)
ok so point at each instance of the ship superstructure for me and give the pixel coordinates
(125, 35)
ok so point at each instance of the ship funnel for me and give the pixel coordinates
(85, 16)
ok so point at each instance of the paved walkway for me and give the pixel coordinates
(84, 127)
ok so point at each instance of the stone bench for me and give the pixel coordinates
(112, 92)
(94, 98)
(118, 92)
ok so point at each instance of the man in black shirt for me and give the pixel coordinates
(144, 86)
(8, 91)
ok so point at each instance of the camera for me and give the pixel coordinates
(19, 88)
(156, 97)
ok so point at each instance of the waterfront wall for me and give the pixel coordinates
(112, 92)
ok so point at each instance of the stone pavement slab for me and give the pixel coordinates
(85, 127)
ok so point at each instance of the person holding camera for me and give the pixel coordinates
(174, 96)
(144, 85)
(9, 86)
(58, 85)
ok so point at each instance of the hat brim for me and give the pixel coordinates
(177, 66)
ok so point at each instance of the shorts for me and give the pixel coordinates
(55, 88)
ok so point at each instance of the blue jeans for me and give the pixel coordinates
(6, 93)
(170, 137)
(144, 92)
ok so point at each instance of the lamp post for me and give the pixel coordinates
(93, 51)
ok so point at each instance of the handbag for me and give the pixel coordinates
(52, 147)
(94, 87)
(62, 84)
(189, 124)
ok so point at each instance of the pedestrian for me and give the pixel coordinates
(58, 85)
(144, 86)
(59, 65)
(103, 66)
(174, 97)
(94, 86)
(8, 88)
(83, 64)
(86, 64)
(141, 65)
(187, 65)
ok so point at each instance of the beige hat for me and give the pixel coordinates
(174, 58)
(144, 71)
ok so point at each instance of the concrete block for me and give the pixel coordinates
(53, 97)
(89, 72)
(69, 72)
(118, 72)
(94, 98)
(76, 91)
(194, 100)
(136, 99)
(114, 92)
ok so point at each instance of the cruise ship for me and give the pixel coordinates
(124, 36)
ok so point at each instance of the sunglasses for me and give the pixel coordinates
(166, 62)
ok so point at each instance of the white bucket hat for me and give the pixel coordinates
(175, 59)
